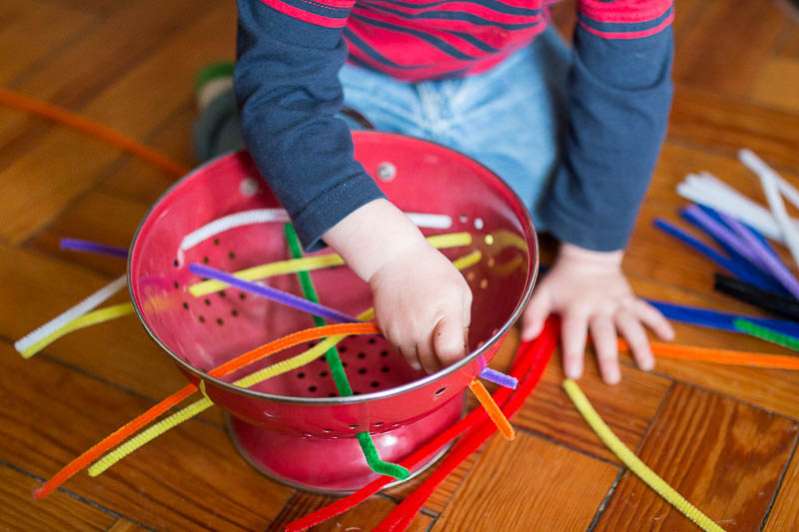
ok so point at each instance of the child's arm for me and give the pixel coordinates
(619, 96)
(286, 81)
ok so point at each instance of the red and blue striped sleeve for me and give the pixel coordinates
(620, 92)
(289, 53)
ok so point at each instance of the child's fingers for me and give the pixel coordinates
(632, 330)
(603, 333)
(426, 355)
(448, 339)
(574, 330)
(536, 314)
(653, 319)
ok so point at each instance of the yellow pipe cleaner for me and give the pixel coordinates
(87, 320)
(633, 463)
(258, 273)
(279, 368)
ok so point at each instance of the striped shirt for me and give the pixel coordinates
(422, 39)
(290, 52)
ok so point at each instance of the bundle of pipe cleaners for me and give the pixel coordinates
(753, 271)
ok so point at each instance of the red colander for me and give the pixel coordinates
(295, 428)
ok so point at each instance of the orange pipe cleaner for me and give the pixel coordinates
(59, 114)
(129, 428)
(720, 356)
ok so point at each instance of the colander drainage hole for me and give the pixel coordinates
(354, 426)
(323, 374)
(207, 302)
(312, 389)
(374, 384)
(234, 313)
(220, 322)
(383, 353)
(377, 424)
(176, 285)
(185, 305)
(362, 371)
(222, 294)
(205, 260)
(216, 241)
(242, 296)
(385, 369)
(231, 255)
(342, 349)
(372, 341)
(440, 391)
(201, 319)
(301, 375)
(175, 263)
(361, 355)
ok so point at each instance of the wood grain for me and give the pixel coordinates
(529, 484)
(191, 477)
(365, 516)
(724, 456)
(703, 54)
(59, 512)
(784, 514)
(41, 182)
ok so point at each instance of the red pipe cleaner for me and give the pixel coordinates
(528, 353)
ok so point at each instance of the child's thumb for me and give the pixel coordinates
(535, 315)
(449, 337)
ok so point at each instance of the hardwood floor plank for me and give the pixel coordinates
(785, 512)
(529, 484)
(41, 182)
(627, 407)
(59, 512)
(711, 119)
(776, 84)
(21, 30)
(703, 56)
(191, 477)
(365, 516)
(119, 352)
(722, 455)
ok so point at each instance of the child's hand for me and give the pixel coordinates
(422, 302)
(589, 291)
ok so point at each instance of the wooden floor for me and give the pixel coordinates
(726, 438)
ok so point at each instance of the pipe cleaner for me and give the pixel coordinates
(259, 273)
(493, 411)
(721, 321)
(87, 320)
(774, 303)
(89, 127)
(710, 191)
(91, 302)
(633, 463)
(745, 259)
(259, 216)
(499, 378)
(230, 366)
(770, 261)
(337, 369)
(768, 335)
(157, 429)
(769, 180)
(76, 244)
(274, 370)
(708, 252)
(273, 294)
(719, 356)
(530, 361)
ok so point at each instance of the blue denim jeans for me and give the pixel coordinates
(509, 118)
